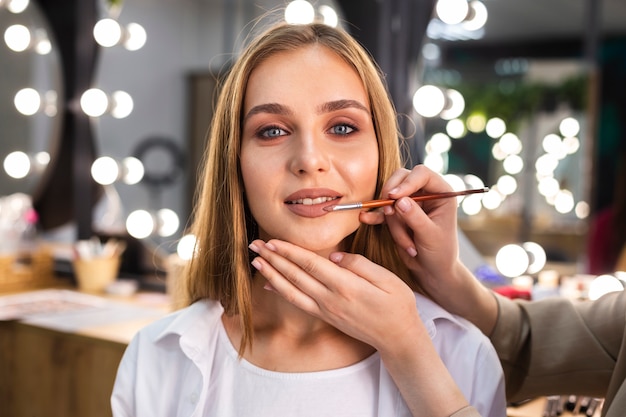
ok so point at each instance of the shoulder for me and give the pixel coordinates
(166, 356)
(190, 323)
(437, 319)
(451, 334)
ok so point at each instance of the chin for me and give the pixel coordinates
(317, 241)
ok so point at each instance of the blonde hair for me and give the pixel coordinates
(223, 226)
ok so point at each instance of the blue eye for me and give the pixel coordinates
(272, 132)
(343, 129)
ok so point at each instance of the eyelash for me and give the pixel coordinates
(263, 132)
(352, 128)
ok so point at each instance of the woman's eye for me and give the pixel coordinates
(272, 132)
(342, 129)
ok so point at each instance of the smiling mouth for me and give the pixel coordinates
(312, 201)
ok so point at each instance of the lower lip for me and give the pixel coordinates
(314, 210)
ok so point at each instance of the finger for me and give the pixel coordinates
(372, 217)
(305, 269)
(427, 225)
(394, 181)
(362, 267)
(419, 178)
(283, 287)
(408, 220)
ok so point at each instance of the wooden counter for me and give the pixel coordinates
(47, 372)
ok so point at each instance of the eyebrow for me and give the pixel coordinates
(341, 104)
(279, 109)
(272, 108)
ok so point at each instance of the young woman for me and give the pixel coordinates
(294, 310)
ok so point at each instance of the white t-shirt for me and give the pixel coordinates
(185, 365)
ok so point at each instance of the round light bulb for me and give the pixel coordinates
(94, 102)
(136, 37)
(452, 11)
(513, 164)
(329, 15)
(569, 127)
(537, 257)
(299, 12)
(186, 247)
(107, 32)
(564, 201)
(512, 260)
(17, 164)
(17, 38)
(455, 105)
(510, 144)
(122, 104)
(17, 6)
(168, 222)
(133, 170)
(477, 16)
(429, 100)
(27, 101)
(495, 127)
(140, 224)
(492, 199)
(507, 184)
(438, 143)
(602, 285)
(455, 128)
(105, 170)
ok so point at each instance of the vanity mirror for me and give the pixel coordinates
(30, 90)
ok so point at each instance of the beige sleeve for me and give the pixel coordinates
(557, 345)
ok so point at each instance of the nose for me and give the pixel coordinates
(310, 154)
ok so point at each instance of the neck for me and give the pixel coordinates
(288, 339)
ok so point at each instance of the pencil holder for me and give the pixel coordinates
(95, 274)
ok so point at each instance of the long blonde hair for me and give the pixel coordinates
(223, 226)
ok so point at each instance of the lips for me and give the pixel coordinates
(311, 202)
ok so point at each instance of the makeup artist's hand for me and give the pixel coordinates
(351, 293)
(425, 232)
(426, 235)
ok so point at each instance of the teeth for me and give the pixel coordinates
(311, 201)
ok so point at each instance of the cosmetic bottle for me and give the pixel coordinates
(547, 285)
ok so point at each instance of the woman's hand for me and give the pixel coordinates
(348, 291)
(371, 304)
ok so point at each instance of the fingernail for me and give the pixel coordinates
(269, 287)
(255, 263)
(388, 210)
(403, 205)
(253, 247)
(394, 190)
(411, 251)
(270, 246)
(336, 257)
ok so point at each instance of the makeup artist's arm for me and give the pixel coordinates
(370, 304)
(541, 342)
(426, 235)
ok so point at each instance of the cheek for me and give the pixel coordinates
(365, 171)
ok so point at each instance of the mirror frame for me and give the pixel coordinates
(67, 191)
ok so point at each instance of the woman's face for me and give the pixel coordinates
(308, 142)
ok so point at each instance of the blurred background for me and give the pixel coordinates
(104, 107)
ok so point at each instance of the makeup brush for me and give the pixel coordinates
(420, 197)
